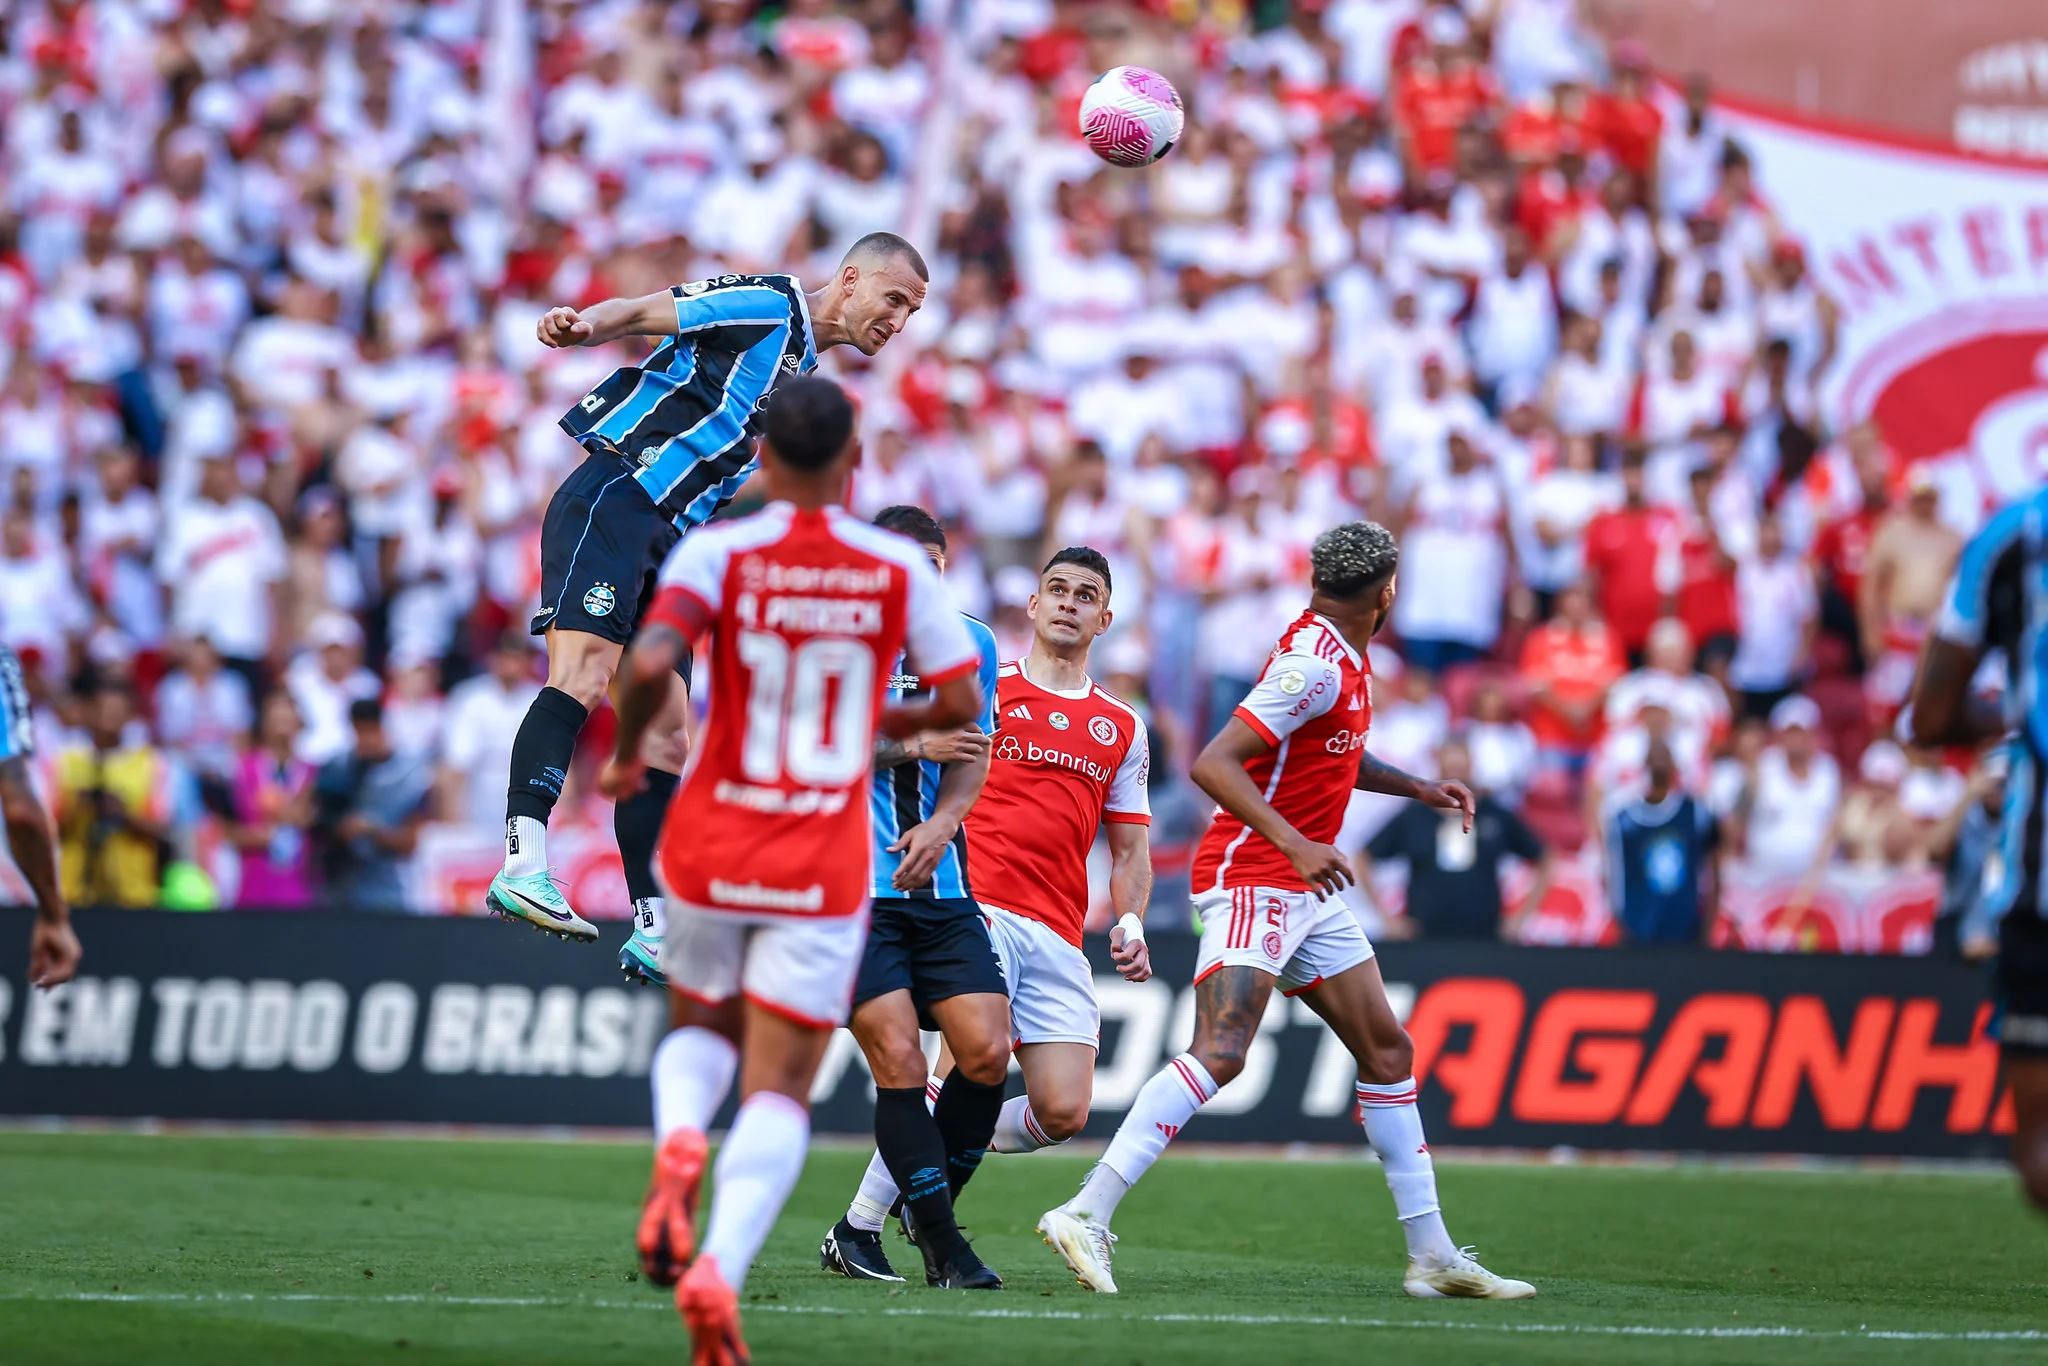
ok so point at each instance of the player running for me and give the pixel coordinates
(53, 950)
(1269, 890)
(929, 960)
(765, 851)
(1996, 600)
(670, 441)
(1069, 760)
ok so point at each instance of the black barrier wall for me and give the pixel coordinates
(449, 1020)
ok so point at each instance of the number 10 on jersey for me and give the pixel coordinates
(807, 709)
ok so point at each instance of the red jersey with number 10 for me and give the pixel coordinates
(807, 612)
(1313, 705)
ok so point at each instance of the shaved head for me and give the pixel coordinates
(881, 249)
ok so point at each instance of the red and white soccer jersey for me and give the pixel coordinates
(1313, 706)
(807, 612)
(1064, 762)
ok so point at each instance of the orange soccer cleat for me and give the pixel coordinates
(711, 1311)
(666, 1239)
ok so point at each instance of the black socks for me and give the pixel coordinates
(541, 753)
(966, 1115)
(637, 823)
(908, 1138)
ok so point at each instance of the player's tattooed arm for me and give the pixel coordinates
(1945, 711)
(53, 947)
(1376, 775)
(924, 844)
(896, 753)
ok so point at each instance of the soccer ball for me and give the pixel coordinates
(1131, 116)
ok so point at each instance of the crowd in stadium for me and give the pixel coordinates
(277, 436)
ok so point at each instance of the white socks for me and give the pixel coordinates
(691, 1073)
(1017, 1129)
(877, 1194)
(648, 919)
(758, 1165)
(1395, 1131)
(526, 847)
(1164, 1106)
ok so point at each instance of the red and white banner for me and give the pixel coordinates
(1939, 260)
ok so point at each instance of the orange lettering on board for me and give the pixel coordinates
(1543, 1095)
(1969, 1070)
(1476, 1078)
(1743, 1022)
(1804, 1047)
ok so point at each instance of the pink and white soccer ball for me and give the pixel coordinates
(1131, 116)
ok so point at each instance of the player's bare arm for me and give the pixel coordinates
(650, 315)
(953, 703)
(53, 950)
(1219, 770)
(644, 682)
(1945, 711)
(1130, 892)
(940, 747)
(1376, 775)
(924, 844)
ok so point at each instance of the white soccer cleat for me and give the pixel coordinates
(1085, 1244)
(1462, 1278)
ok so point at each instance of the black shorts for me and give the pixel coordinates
(601, 546)
(934, 949)
(2020, 994)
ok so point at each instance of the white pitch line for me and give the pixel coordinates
(1257, 1320)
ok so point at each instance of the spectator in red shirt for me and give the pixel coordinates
(1538, 129)
(1569, 663)
(1622, 546)
(1839, 548)
(1630, 125)
(1438, 96)
(1701, 574)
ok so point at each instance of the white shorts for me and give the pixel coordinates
(799, 967)
(1292, 935)
(1052, 988)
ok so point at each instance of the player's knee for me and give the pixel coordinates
(898, 1066)
(1222, 1062)
(666, 750)
(982, 1061)
(1062, 1119)
(581, 666)
(1388, 1061)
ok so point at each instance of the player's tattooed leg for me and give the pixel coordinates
(1229, 1003)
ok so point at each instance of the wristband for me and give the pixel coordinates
(1133, 928)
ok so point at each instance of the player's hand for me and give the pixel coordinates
(1449, 796)
(562, 326)
(53, 952)
(954, 746)
(621, 778)
(922, 846)
(1133, 960)
(1323, 867)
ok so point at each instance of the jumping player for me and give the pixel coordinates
(765, 850)
(1996, 601)
(929, 960)
(669, 442)
(1269, 890)
(1069, 760)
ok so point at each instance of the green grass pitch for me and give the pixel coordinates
(123, 1248)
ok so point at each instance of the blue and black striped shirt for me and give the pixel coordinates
(903, 795)
(688, 416)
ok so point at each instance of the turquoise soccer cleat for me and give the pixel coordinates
(536, 900)
(640, 959)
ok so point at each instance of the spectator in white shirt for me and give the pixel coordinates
(482, 716)
(1513, 328)
(1503, 749)
(223, 556)
(41, 608)
(1456, 550)
(203, 710)
(1776, 611)
(1414, 430)
(1560, 504)
(324, 681)
(1786, 815)
(116, 533)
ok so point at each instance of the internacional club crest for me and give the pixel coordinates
(600, 600)
(1103, 729)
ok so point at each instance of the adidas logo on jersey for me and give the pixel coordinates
(1020, 712)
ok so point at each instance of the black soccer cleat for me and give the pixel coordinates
(856, 1253)
(963, 1271)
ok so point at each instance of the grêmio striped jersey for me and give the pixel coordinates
(687, 416)
(903, 795)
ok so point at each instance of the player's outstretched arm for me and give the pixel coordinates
(650, 315)
(1219, 771)
(637, 696)
(954, 702)
(1375, 775)
(53, 951)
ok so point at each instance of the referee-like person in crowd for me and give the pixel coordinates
(669, 442)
